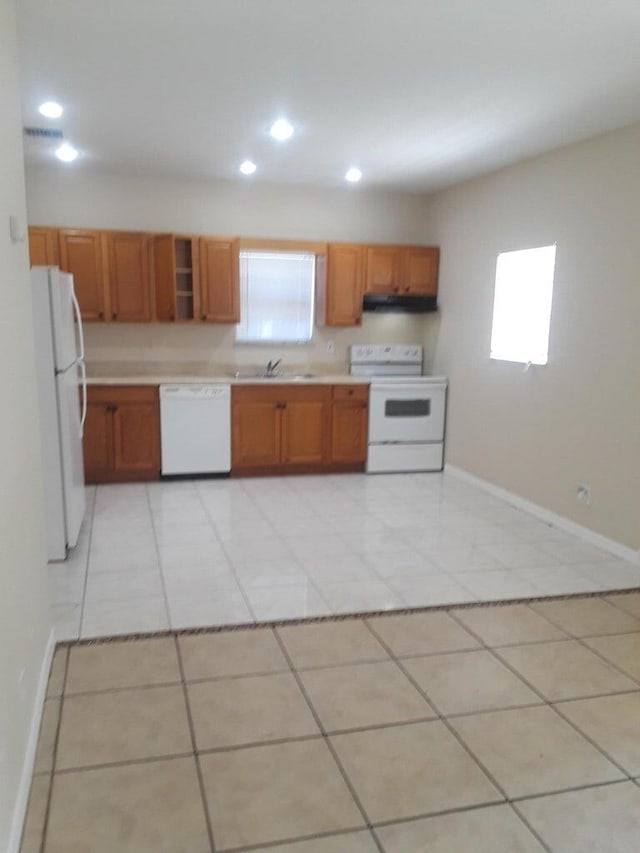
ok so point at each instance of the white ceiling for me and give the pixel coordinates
(418, 93)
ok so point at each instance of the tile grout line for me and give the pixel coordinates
(88, 562)
(45, 826)
(284, 542)
(456, 735)
(156, 546)
(232, 568)
(438, 716)
(547, 702)
(327, 739)
(194, 745)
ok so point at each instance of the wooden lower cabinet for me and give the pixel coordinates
(256, 431)
(122, 434)
(349, 424)
(288, 429)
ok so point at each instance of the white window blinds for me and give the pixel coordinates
(276, 296)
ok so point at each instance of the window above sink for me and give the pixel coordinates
(276, 297)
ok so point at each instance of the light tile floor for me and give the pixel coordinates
(492, 729)
(203, 553)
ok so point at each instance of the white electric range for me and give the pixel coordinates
(406, 409)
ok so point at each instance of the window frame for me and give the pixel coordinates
(497, 349)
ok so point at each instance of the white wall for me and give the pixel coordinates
(67, 196)
(577, 420)
(63, 195)
(24, 621)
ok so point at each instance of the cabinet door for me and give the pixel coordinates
(349, 431)
(344, 285)
(136, 445)
(304, 432)
(43, 247)
(97, 443)
(256, 428)
(129, 284)
(420, 270)
(164, 269)
(81, 254)
(220, 288)
(383, 269)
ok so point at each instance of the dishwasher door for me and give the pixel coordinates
(195, 429)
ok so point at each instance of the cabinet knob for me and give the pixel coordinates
(204, 318)
(358, 321)
(172, 317)
(407, 289)
(100, 315)
(114, 316)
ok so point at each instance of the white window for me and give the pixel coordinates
(276, 297)
(522, 305)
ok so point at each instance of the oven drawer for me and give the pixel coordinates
(411, 413)
(387, 458)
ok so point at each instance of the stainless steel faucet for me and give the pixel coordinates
(272, 366)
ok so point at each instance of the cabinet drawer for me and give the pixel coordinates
(280, 393)
(350, 392)
(122, 393)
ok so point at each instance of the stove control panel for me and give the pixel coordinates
(385, 354)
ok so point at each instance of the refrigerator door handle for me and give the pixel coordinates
(83, 373)
(76, 308)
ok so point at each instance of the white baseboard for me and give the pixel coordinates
(22, 799)
(546, 515)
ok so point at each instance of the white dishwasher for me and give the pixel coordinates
(195, 429)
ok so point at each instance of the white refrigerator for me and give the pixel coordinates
(62, 401)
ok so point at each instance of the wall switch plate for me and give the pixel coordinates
(331, 346)
(16, 230)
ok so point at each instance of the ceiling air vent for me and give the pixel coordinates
(43, 133)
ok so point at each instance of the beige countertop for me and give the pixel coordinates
(225, 379)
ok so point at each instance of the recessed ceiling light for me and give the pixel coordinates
(67, 153)
(248, 167)
(281, 129)
(50, 109)
(353, 175)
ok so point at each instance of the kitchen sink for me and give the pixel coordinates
(273, 377)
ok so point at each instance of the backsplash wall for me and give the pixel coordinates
(214, 347)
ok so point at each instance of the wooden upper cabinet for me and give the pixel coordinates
(129, 280)
(164, 264)
(43, 246)
(383, 269)
(219, 283)
(344, 285)
(81, 253)
(420, 270)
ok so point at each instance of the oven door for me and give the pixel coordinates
(400, 412)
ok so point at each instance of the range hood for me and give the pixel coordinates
(399, 302)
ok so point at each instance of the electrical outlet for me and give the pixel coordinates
(331, 347)
(583, 495)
